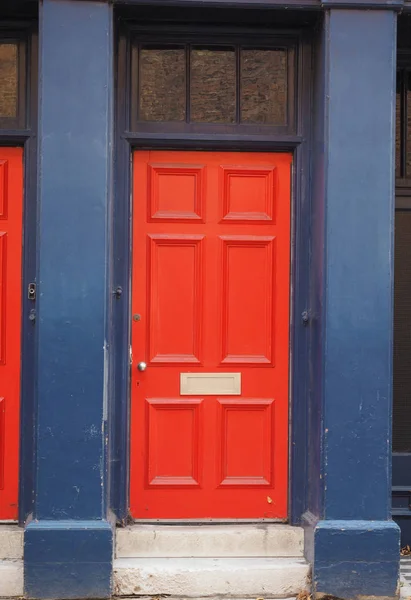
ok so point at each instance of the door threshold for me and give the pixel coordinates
(8, 522)
(207, 521)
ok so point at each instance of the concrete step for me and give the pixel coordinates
(203, 577)
(11, 541)
(11, 578)
(212, 541)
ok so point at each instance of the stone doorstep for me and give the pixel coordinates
(217, 541)
(214, 541)
(210, 577)
(245, 579)
(211, 541)
(405, 578)
(11, 542)
(405, 592)
(268, 576)
(11, 578)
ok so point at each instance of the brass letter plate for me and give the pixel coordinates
(210, 384)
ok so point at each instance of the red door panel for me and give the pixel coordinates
(211, 259)
(11, 206)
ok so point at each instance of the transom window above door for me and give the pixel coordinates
(403, 125)
(12, 81)
(225, 87)
(8, 79)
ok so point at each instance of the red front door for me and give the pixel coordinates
(11, 207)
(210, 310)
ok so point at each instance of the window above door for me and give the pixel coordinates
(13, 49)
(188, 85)
(403, 124)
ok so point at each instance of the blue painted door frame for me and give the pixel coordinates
(350, 538)
(127, 142)
(69, 540)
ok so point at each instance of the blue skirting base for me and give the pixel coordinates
(356, 559)
(68, 559)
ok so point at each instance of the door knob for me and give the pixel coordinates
(142, 366)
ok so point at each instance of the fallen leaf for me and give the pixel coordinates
(304, 595)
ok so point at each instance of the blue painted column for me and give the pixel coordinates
(352, 541)
(69, 541)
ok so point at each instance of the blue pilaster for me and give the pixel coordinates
(351, 540)
(68, 543)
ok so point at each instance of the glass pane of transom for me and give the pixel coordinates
(162, 88)
(8, 80)
(264, 87)
(213, 85)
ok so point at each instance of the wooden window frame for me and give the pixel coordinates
(240, 38)
(402, 182)
(20, 39)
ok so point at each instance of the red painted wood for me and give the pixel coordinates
(11, 207)
(211, 262)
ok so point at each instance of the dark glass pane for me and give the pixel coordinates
(398, 127)
(402, 334)
(264, 86)
(162, 84)
(408, 141)
(213, 86)
(8, 80)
